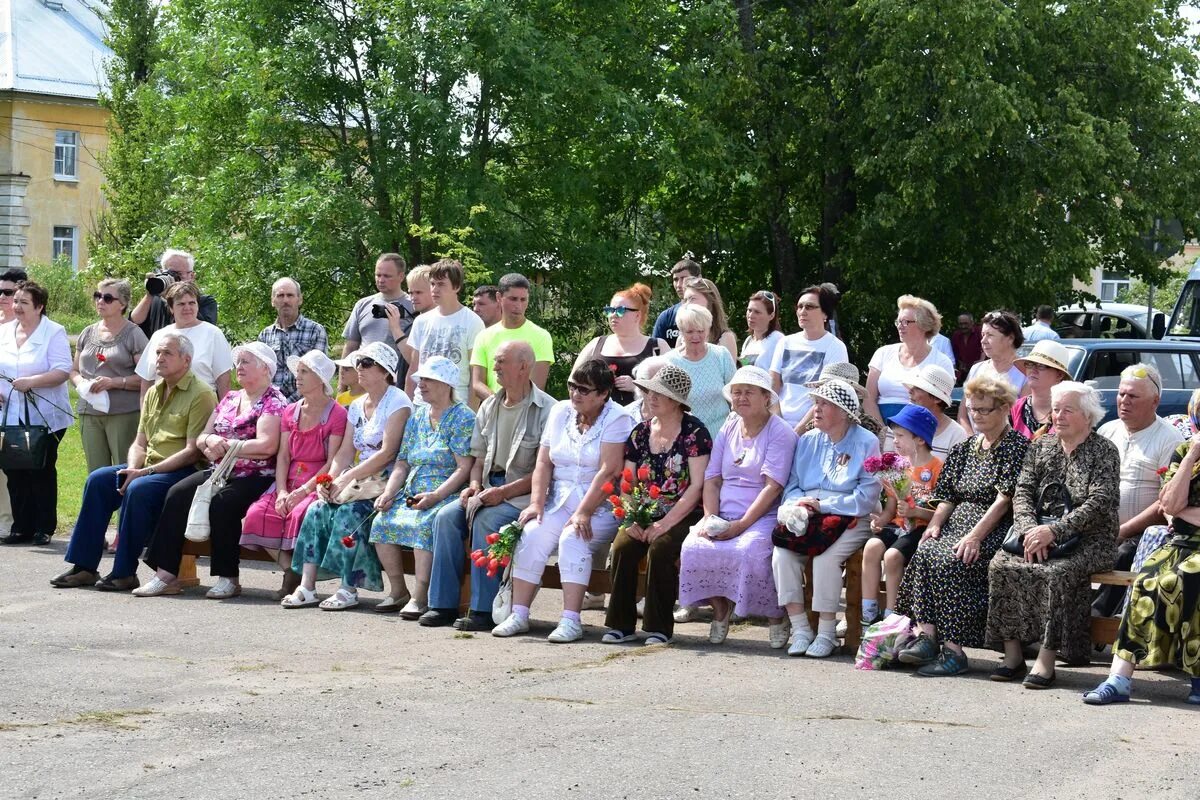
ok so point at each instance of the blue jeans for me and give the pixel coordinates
(450, 553)
(140, 507)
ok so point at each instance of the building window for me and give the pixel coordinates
(1111, 283)
(66, 144)
(63, 243)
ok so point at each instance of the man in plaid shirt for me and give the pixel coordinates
(291, 334)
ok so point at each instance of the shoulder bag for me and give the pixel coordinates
(24, 445)
(1053, 503)
(198, 525)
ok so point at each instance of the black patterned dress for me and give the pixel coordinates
(1050, 601)
(1161, 624)
(938, 589)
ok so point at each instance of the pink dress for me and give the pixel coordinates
(262, 526)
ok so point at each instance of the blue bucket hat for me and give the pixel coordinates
(916, 420)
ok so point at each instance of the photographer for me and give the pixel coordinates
(152, 312)
(385, 316)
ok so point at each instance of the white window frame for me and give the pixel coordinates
(63, 149)
(56, 243)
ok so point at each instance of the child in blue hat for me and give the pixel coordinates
(897, 529)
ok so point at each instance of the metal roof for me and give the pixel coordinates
(52, 47)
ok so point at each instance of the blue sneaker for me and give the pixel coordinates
(921, 652)
(948, 663)
(1105, 695)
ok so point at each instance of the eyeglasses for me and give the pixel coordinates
(106, 297)
(904, 323)
(366, 363)
(980, 412)
(578, 388)
(617, 311)
(7, 292)
(808, 306)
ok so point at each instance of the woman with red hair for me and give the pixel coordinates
(627, 345)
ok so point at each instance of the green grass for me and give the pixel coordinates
(72, 472)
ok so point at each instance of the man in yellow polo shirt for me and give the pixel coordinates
(174, 412)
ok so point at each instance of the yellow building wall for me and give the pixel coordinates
(29, 124)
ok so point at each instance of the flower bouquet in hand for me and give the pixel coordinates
(500, 548)
(892, 469)
(639, 501)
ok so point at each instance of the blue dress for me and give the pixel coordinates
(430, 454)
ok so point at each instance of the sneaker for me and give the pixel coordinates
(821, 647)
(947, 663)
(777, 635)
(799, 642)
(593, 602)
(511, 626)
(1105, 694)
(568, 630)
(687, 614)
(223, 590)
(156, 587)
(921, 652)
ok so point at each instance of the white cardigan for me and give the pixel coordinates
(46, 349)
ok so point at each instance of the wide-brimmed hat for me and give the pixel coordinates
(378, 352)
(670, 381)
(1048, 353)
(935, 380)
(750, 376)
(842, 371)
(317, 362)
(917, 420)
(841, 394)
(260, 350)
(440, 369)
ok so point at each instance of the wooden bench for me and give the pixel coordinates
(598, 584)
(1104, 629)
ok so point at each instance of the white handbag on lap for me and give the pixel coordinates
(198, 526)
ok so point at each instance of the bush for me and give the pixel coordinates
(70, 292)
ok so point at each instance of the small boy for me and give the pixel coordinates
(894, 542)
(349, 379)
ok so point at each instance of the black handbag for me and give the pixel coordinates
(24, 446)
(1053, 503)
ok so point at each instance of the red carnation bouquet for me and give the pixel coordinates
(639, 500)
(500, 548)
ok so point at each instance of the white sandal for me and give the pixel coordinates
(340, 600)
(301, 598)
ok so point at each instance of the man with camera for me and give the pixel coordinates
(385, 316)
(152, 312)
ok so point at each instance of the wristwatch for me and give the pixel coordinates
(150, 470)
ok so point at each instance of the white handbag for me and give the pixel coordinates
(502, 605)
(198, 526)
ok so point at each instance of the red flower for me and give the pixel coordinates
(493, 564)
(492, 538)
(100, 358)
(504, 560)
(481, 562)
(626, 487)
(612, 367)
(615, 500)
(643, 473)
(324, 478)
(1161, 471)
(627, 474)
(347, 541)
(608, 488)
(655, 492)
(619, 513)
(476, 554)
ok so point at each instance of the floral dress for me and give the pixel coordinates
(1161, 625)
(937, 588)
(1051, 601)
(670, 470)
(429, 451)
(326, 524)
(228, 424)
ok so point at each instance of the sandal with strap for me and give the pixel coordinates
(300, 598)
(615, 636)
(656, 639)
(341, 600)
(1105, 694)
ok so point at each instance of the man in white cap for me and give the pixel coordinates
(1146, 442)
(291, 334)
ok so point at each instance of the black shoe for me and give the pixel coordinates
(110, 584)
(17, 538)
(474, 621)
(1039, 681)
(42, 539)
(437, 617)
(1005, 673)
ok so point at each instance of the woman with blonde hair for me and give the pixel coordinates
(708, 365)
(704, 293)
(628, 345)
(894, 365)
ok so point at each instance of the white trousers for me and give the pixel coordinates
(788, 570)
(541, 540)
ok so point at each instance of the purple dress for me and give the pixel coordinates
(740, 568)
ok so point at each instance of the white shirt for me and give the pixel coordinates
(46, 349)
(576, 456)
(798, 361)
(453, 336)
(892, 373)
(760, 352)
(212, 357)
(1142, 454)
(1014, 376)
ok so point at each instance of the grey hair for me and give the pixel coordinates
(1089, 399)
(172, 253)
(692, 316)
(120, 286)
(646, 368)
(519, 349)
(295, 284)
(182, 343)
(1153, 376)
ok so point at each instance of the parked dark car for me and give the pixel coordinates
(1099, 362)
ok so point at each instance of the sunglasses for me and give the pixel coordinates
(106, 297)
(7, 292)
(366, 363)
(578, 388)
(767, 296)
(617, 311)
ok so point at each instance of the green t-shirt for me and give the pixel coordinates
(490, 340)
(168, 427)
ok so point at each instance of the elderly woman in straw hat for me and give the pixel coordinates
(828, 477)
(726, 558)
(250, 415)
(311, 432)
(930, 388)
(671, 449)
(1045, 367)
(847, 372)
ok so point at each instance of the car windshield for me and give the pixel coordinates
(1186, 319)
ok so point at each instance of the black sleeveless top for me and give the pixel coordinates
(623, 365)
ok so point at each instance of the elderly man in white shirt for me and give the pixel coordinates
(1146, 442)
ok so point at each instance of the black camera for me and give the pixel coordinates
(379, 311)
(160, 280)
